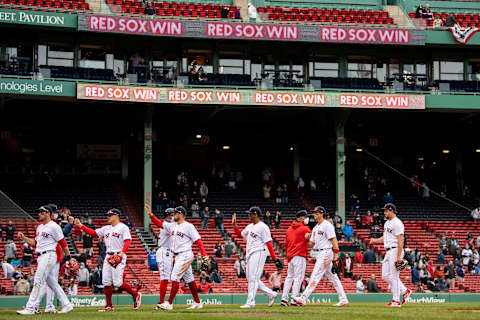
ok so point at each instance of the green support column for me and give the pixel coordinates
(147, 161)
(340, 164)
(343, 67)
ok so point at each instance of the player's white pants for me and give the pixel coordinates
(113, 276)
(255, 263)
(323, 265)
(49, 292)
(46, 273)
(295, 276)
(391, 275)
(165, 263)
(183, 267)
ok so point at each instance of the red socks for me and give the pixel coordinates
(108, 294)
(194, 290)
(173, 293)
(163, 291)
(126, 286)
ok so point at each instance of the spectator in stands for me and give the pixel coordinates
(10, 231)
(388, 198)
(8, 269)
(415, 274)
(369, 256)
(97, 280)
(359, 257)
(268, 219)
(460, 273)
(377, 219)
(218, 250)
(348, 265)
(152, 260)
(202, 76)
(215, 277)
(443, 286)
(218, 217)
(195, 208)
(284, 194)
(205, 287)
(438, 273)
(449, 272)
(136, 62)
(358, 221)
(466, 255)
(469, 240)
(301, 187)
(278, 195)
(149, 9)
(195, 265)
(22, 287)
(338, 231)
(83, 275)
(418, 12)
(252, 12)
(277, 218)
(27, 256)
(213, 265)
(425, 276)
(204, 276)
(453, 246)
(437, 23)
(368, 220)
(427, 14)
(205, 215)
(442, 244)
(336, 218)
(229, 248)
(102, 251)
(425, 190)
(451, 21)
(78, 233)
(82, 257)
(441, 257)
(313, 184)
(360, 287)
(232, 182)
(240, 267)
(372, 286)
(10, 250)
(128, 223)
(275, 281)
(266, 192)
(475, 258)
(88, 244)
(348, 231)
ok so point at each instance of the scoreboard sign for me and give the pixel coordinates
(250, 97)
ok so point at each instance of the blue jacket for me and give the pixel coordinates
(441, 259)
(415, 276)
(347, 231)
(67, 229)
(152, 259)
(369, 257)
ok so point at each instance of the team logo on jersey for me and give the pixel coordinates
(389, 230)
(320, 233)
(253, 235)
(180, 234)
(44, 234)
(116, 235)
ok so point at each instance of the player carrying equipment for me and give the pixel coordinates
(183, 235)
(258, 236)
(117, 241)
(324, 241)
(393, 239)
(296, 244)
(47, 236)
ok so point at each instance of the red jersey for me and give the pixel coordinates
(295, 242)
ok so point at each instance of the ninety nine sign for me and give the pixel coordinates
(38, 18)
(250, 31)
(250, 97)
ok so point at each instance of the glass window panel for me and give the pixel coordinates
(451, 67)
(256, 70)
(421, 68)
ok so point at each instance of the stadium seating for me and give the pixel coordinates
(61, 6)
(82, 73)
(222, 80)
(326, 15)
(460, 86)
(463, 19)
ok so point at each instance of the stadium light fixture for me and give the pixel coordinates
(446, 151)
(477, 150)
(291, 148)
(198, 136)
(226, 147)
(359, 149)
(421, 159)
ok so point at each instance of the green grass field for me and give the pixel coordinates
(355, 311)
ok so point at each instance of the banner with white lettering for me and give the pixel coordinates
(250, 97)
(249, 31)
(38, 18)
(462, 35)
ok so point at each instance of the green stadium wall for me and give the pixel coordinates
(219, 299)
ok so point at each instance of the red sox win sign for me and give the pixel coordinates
(250, 31)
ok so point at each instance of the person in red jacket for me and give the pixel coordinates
(296, 246)
(359, 257)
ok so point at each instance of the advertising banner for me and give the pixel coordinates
(38, 18)
(250, 31)
(250, 97)
(37, 87)
(99, 151)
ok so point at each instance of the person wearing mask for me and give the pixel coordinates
(275, 281)
(219, 222)
(372, 286)
(27, 256)
(83, 275)
(348, 231)
(152, 260)
(205, 215)
(369, 256)
(360, 287)
(348, 267)
(8, 269)
(10, 231)
(229, 247)
(415, 274)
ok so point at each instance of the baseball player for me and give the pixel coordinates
(45, 290)
(117, 241)
(324, 242)
(47, 236)
(164, 252)
(183, 235)
(258, 236)
(393, 239)
(296, 244)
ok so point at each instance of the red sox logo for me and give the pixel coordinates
(253, 235)
(44, 234)
(389, 230)
(180, 234)
(113, 234)
(320, 233)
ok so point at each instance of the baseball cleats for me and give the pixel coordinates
(285, 303)
(271, 301)
(246, 306)
(341, 304)
(166, 306)
(26, 312)
(300, 301)
(406, 296)
(107, 309)
(66, 309)
(52, 310)
(195, 306)
(394, 304)
(138, 301)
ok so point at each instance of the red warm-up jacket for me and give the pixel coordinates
(295, 242)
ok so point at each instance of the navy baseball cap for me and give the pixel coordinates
(45, 208)
(181, 210)
(169, 212)
(301, 213)
(254, 210)
(390, 206)
(53, 206)
(114, 212)
(319, 209)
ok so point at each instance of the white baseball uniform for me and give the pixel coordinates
(183, 235)
(322, 235)
(114, 237)
(257, 235)
(164, 252)
(47, 237)
(390, 274)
